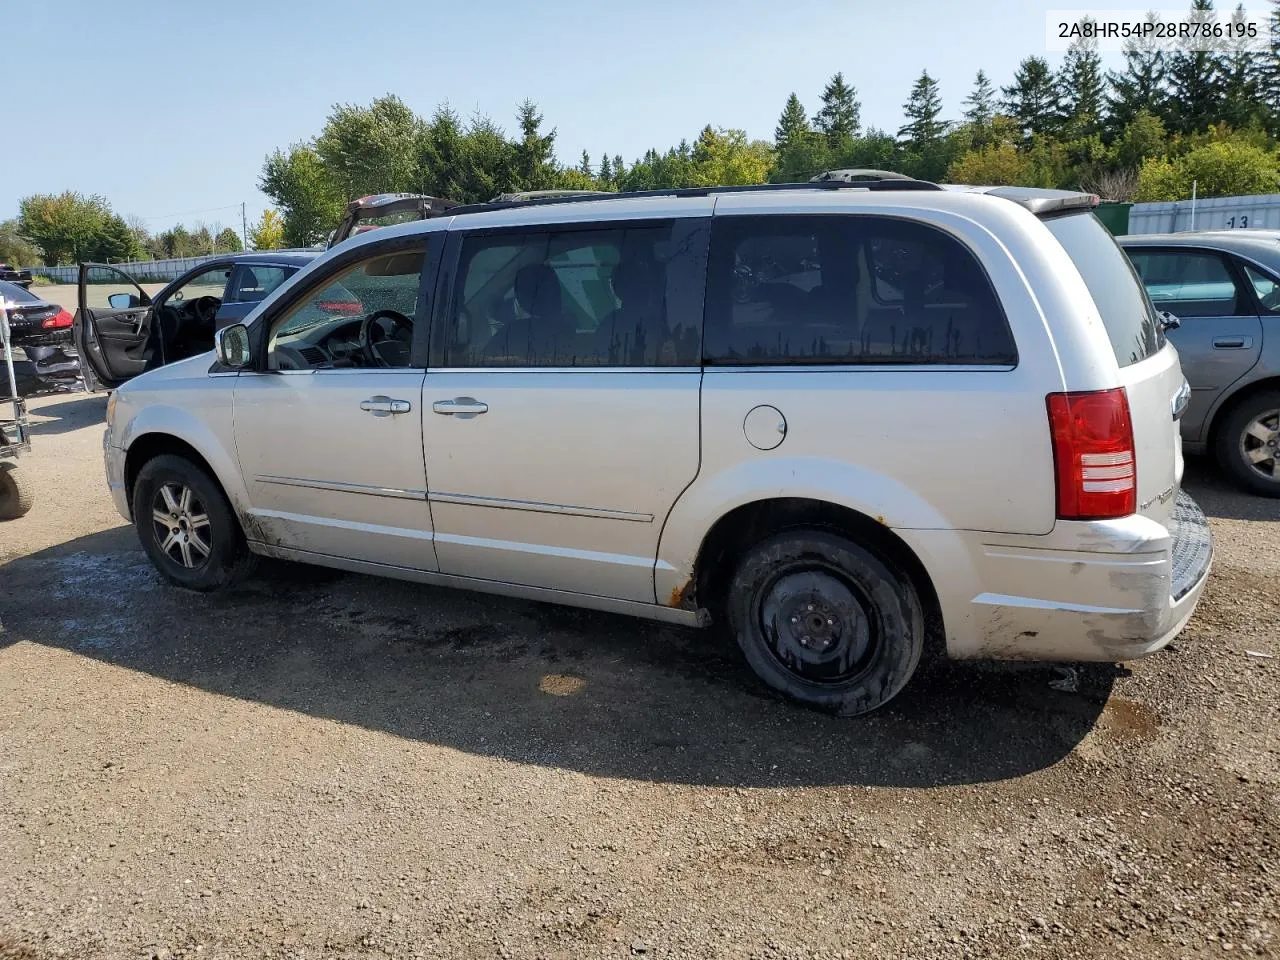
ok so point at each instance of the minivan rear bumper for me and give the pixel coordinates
(1109, 590)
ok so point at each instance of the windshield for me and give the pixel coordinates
(16, 294)
(1122, 302)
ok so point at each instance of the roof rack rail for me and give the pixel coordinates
(890, 182)
(547, 194)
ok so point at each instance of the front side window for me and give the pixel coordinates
(1190, 284)
(252, 282)
(848, 290)
(596, 297)
(362, 316)
(207, 283)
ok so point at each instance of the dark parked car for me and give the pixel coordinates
(121, 331)
(1224, 289)
(13, 275)
(34, 321)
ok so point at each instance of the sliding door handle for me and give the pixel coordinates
(464, 408)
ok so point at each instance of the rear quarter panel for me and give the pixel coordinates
(917, 448)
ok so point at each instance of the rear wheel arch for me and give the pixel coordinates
(1232, 403)
(751, 523)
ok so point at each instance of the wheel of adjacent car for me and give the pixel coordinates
(186, 525)
(1248, 443)
(17, 491)
(825, 621)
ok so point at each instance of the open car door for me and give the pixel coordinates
(112, 328)
(386, 209)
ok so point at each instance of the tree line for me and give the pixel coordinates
(1145, 131)
(69, 227)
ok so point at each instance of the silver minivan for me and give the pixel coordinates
(842, 419)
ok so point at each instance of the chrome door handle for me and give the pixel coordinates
(464, 408)
(1233, 343)
(385, 406)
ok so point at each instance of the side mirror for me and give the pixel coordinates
(123, 301)
(1167, 320)
(232, 346)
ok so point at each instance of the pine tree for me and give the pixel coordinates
(1269, 75)
(840, 116)
(923, 109)
(1082, 87)
(619, 168)
(534, 153)
(1243, 77)
(605, 176)
(585, 165)
(1032, 99)
(980, 105)
(1195, 80)
(1142, 86)
(793, 125)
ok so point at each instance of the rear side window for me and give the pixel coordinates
(848, 290)
(253, 282)
(1126, 311)
(16, 294)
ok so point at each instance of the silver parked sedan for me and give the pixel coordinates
(1224, 288)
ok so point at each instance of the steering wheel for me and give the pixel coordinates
(203, 309)
(398, 322)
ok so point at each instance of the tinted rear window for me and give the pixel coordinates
(1118, 294)
(848, 290)
(16, 294)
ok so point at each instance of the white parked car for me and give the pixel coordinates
(842, 418)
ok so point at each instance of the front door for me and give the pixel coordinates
(112, 327)
(1220, 336)
(329, 429)
(560, 415)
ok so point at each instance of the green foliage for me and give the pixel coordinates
(997, 165)
(840, 116)
(1032, 99)
(372, 149)
(793, 130)
(1222, 168)
(1143, 138)
(980, 112)
(724, 156)
(533, 156)
(1082, 88)
(1141, 87)
(15, 249)
(923, 111)
(69, 227)
(1195, 82)
(228, 240)
(268, 232)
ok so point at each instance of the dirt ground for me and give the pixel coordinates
(326, 765)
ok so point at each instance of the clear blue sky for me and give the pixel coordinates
(167, 107)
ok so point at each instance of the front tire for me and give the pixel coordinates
(1248, 444)
(187, 527)
(826, 622)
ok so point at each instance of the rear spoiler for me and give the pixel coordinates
(1040, 201)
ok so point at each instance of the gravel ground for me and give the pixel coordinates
(328, 765)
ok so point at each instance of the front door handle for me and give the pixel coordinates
(1232, 343)
(384, 406)
(464, 408)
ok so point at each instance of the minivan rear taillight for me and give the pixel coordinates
(1093, 454)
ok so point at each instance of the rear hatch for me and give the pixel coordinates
(1149, 367)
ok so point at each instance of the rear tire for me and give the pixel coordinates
(17, 492)
(1248, 444)
(187, 527)
(825, 622)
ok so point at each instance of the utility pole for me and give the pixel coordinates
(244, 227)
